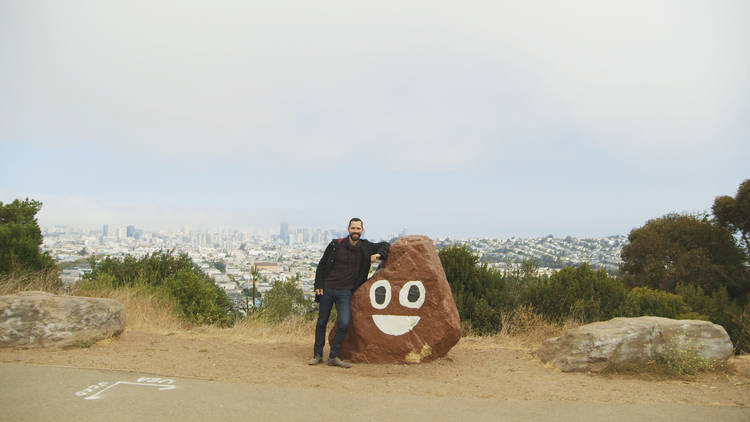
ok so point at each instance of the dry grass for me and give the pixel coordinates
(47, 281)
(522, 328)
(150, 311)
(255, 328)
(145, 309)
(530, 327)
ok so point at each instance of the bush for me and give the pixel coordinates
(721, 310)
(199, 300)
(285, 299)
(644, 301)
(479, 291)
(485, 320)
(196, 299)
(580, 293)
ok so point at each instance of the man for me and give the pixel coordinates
(342, 269)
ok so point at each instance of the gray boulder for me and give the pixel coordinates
(39, 319)
(594, 347)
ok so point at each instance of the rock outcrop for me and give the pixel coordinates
(405, 312)
(619, 341)
(39, 319)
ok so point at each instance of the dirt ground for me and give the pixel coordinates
(475, 368)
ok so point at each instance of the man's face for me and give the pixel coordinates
(355, 230)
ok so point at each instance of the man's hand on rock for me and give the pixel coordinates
(319, 292)
(374, 258)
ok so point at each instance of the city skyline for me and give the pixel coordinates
(487, 119)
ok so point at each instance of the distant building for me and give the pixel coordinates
(268, 266)
(284, 233)
(131, 231)
(105, 230)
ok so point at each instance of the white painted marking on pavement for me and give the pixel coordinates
(162, 384)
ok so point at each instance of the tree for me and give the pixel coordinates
(220, 265)
(685, 249)
(252, 293)
(734, 213)
(20, 238)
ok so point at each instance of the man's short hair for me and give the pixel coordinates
(355, 219)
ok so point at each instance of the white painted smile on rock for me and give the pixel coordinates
(395, 325)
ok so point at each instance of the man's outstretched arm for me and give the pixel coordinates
(381, 251)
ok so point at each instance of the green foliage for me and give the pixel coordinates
(220, 265)
(580, 293)
(199, 300)
(484, 319)
(477, 289)
(285, 299)
(684, 249)
(20, 238)
(734, 213)
(720, 310)
(644, 301)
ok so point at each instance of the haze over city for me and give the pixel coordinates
(472, 119)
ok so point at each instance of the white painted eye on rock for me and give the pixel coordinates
(412, 294)
(380, 294)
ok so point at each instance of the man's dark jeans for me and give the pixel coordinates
(343, 301)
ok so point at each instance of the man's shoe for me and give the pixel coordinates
(338, 362)
(315, 360)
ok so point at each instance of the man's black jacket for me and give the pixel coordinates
(366, 248)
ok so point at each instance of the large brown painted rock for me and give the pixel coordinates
(39, 319)
(405, 312)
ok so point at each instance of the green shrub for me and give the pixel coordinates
(642, 301)
(196, 299)
(484, 320)
(720, 310)
(580, 293)
(285, 299)
(478, 291)
(199, 299)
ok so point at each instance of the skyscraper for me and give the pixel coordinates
(105, 230)
(131, 231)
(284, 233)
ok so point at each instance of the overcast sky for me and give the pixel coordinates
(491, 119)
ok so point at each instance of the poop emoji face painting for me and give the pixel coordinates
(411, 295)
(405, 312)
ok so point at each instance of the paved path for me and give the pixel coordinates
(45, 393)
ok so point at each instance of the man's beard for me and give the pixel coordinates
(354, 236)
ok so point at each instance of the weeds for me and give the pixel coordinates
(146, 308)
(45, 280)
(684, 357)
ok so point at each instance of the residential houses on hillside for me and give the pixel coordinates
(228, 257)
